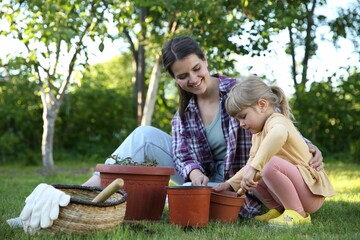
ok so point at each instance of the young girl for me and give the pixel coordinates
(289, 187)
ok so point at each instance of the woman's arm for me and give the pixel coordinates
(184, 160)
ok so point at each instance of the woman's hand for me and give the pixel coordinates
(222, 187)
(198, 178)
(316, 161)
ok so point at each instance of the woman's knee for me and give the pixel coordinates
(143, 132)
(146, 131)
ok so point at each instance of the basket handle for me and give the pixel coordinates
(109, 190)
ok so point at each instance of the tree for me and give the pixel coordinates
(347, 24)
(301, 29)
(54, 34)
(148, 24)
(301, 20)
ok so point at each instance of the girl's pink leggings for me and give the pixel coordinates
(282, 187)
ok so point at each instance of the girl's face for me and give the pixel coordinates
(191, 74)
(253, 118)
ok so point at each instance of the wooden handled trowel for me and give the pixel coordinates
(241, 191)
(109, 190)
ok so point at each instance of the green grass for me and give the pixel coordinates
(339, 218)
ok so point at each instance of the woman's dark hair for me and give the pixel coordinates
(177, 49)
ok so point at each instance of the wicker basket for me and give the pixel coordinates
(84, 216)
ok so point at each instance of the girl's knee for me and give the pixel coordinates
(270, 167)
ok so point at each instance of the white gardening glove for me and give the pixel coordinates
(33, 202)
(59, 199)
(42, 207)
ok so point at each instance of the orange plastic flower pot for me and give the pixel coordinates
(189, 205)
(225, 206)
(144, 185)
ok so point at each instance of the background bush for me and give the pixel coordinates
(329, 115)
(96, 116)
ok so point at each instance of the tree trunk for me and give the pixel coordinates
(50, 112)
(140, 82)
(308, 40)
(134, 84)
(140, 74)
(151, 93)
(292, 53)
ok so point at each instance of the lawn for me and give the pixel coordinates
(339, 218)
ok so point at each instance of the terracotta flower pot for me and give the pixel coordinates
(189, 205)
(144, 185)
(225, 206)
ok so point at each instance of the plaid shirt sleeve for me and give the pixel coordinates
(189, 144)
(183, 161)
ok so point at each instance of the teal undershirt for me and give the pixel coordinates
(216, 140)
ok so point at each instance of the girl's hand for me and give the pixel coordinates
(198, 178)
(248, 182)
(222, 187)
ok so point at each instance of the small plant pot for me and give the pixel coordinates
(189, 205)
(225, 206)
(145, 187)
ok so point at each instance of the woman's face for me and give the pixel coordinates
(191, 74)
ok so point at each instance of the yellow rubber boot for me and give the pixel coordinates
(290, 218)
(272, 213)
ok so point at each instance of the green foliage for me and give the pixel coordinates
(97, 114)
(355, 151)
(52, 31)
(100, 112)
(53, 36)
(347, 24)
(93, 116)
(116, 74)
(330, 116)
(21, 121)
(129, 162)
(7, 142)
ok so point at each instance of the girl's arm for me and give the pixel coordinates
(271, 144)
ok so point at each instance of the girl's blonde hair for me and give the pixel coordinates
(247, 92)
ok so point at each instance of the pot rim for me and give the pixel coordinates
(127, 169)
(227, 194)
(188, 187)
